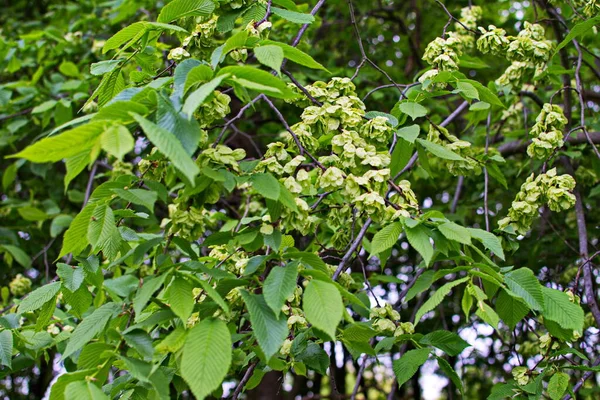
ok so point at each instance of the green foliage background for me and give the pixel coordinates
(294, 199)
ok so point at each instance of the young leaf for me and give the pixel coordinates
(558, 385)
(408, 365)
(259, 80)
(323, 306)
(279, 285)
(295, 55)
(439, 151)
(293, 16)
(141, 197)
(412, 109)
(206, 356)
(266, 185)
(269, 330)
(71, 276)
(117, 141)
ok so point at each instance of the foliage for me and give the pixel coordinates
(203, 197)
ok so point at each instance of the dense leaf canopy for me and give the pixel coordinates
(299, 199)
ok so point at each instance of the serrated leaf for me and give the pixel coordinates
(71, 276)
(266, 185)
(259, 80)
(145, 292)
(124, 35)
(279, 285)
(386, 238)
(117, 141)
(419, 240)
(171, 147)
(103, 67)
(422, 283)
(36, 299)
(510, 309)
(199, 73)
(412, 109)
(489, 241)
(439, 151)
(75, 165)
(141, 197)
(409, 133)
(181, 298)
(91, 326)
(197, 97)
(450, 373)
(487, 314)
(408, 365)
(323, 306)
(6, 347)
(293, 16)
(75, 240)
(102, 232)
(84, 390)
(65, 145)
(558, 308)
(466, 89)
(185, 8)
(558, 385)
(524, 284)
(18, 254)
(206, 356)
(270, 331)
(296, 55)
(455, 232)
(578, 30)
(213, 294)
(270, 56)
(449, 342)
(435, 300)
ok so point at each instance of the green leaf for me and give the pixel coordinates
(6, 348)
(126, 34)
(197, 97)
(36, 299)
(450, 373)
(409, 133)
(120, 111)
(466, 89)
(145, 292)
(75, 165)
(455, 232)
(18, 254)
(199, 73)
(323, 306)
(419, 240)
(103, 67)
(75, 240)
(412, 109)
(181, 298)
(487, 314)
(435, 300)
(558, 385)
(259, 80)
(71, 276)
(84, 390)
(295, 55)
(185, 8)
(577, 31)
(510, 309)
(485, 94)
(269, 330)
(57, 391)
(524, 284)
(102, 232)
(439, 151)
(266, 185)
(279, 285)
(65, 145)
(213, 294)
(449, 342)
(206, 356)
(235, 42)
(422, 283)
(270, 56)
(293, 16)
(489, 240)
(91, 326)
(558, 308)
(117, 141)
(408, 365)
(171, 147)
(141, 197)
(386, 238)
